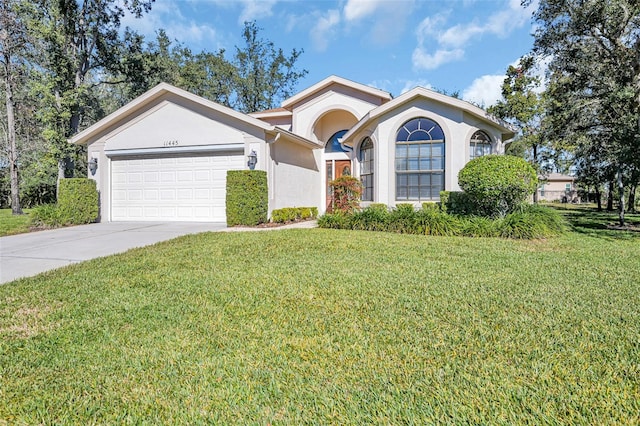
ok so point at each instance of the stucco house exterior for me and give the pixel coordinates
(558, 187)
(164, 156)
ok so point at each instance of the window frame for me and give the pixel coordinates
(424, 161)
(475, 141)
(367, 173)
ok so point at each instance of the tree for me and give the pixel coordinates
(263, 74)
(83, 45)
(594, 93)
(14, 44)
(521, 106)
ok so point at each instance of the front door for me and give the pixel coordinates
(336, 169)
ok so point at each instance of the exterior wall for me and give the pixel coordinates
(306, 115)
(295, 180)
(556, 190)
(172, 125)
(457, 127)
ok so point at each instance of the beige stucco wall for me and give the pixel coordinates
(295, 180)
(306, 116)
(456, 125)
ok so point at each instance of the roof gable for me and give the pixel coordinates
(421, 92)
(149, 100)
(313, 91)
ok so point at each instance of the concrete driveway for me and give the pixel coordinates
(29, 254)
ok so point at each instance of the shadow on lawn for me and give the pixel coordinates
(587, 220)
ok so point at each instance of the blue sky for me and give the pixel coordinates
(394, 45)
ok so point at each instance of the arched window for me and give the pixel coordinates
(480, 145)
(333, 145)
(366, 169)
(420, 149)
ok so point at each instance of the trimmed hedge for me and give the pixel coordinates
(247, 197)
(291, 214)
(77, 204)
(78, 201)
(528, 222)
(497, 184)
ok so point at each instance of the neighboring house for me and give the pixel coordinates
(164, 156)
(558, 187)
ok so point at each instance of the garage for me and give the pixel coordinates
(171, 188)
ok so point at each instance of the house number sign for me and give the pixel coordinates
(170, 143)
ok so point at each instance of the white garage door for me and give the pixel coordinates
(180, 188)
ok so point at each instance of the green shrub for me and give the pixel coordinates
(433, 222)
(247, 197)
(457, 202)
(290, 214)
(372, 218)
(531, 222)
(77, 201)
(478, 226)
(497, 184)
(402, 219)
(336, 220)
(45, 215)
(430, 206)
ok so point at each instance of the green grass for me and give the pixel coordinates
(331, 327)
(13, 224)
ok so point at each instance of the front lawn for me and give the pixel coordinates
(13, 224)
(330, 327)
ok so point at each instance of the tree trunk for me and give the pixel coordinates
(598, 198)
(632, 198)
(621, 191)
(11, 135)
(610, 199)
(535, 163)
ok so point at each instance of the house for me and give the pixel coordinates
(558, 187)
(164, 156)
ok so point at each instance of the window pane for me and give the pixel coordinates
(420, 135)
(435, 192)
(414, 192)
(436, 133)
(401, 179)
(425, 164)
(401, 151)
(437, 164)
(403, 134)
(425, 150)
(437, 149)
(425, 192)
(487, 149)
(401, 192)
(425, 179)
(414, 150)
(436, 180)
(413, 164)
(412, 125)
(414, 179)
(401, 164)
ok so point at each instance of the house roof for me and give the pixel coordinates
(420, 92)
(275, 112)
(141, 102)
(333, 79)
(559, 177)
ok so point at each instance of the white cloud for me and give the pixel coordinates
(358, 9)
(324, 30)
(449, 42)
(254, 9)
(427, 61)
(485, 90)
(410, 84)
(167, 15)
